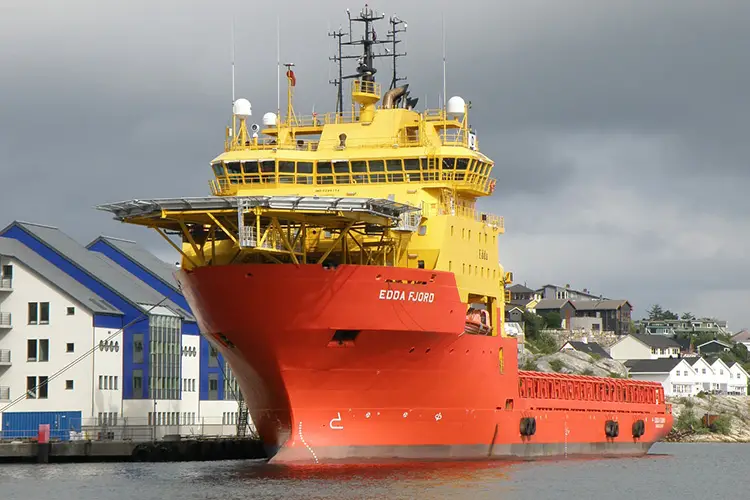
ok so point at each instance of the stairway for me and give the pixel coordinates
(242, 417)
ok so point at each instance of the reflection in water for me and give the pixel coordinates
(668, 474)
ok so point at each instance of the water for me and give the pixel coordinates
(671, 471)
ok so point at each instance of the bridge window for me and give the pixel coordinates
(341, 168)
(375, 167)
(359, 169)
(286, 172)
(324, 170)
(218, 169)
(303, 168)
(392, 166)
(411, 165)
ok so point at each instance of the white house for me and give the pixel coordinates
(703, 372)
(720, 382)
(640, 346)
(737, 380)
(675, 374)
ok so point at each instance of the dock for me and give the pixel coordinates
(177, 450)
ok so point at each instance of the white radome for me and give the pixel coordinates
(456, 105)
(269, 119)
(242, 108)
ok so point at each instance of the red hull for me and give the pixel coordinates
(410, 385)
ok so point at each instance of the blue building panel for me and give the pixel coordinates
(107, 321)
(138, 271)
(25, 424)
(205, 370)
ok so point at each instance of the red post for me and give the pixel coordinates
(43, 434)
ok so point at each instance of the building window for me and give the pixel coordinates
(69, 385)
(138, 348)
(44, 313)
(71, 311)
(69, 347)
(44, 350)
(7, 272)
(33, 313)
(101, 382)
(138, 384)
(213, 357)
(115, 382)
(30, 387)
(31, 350)
(213, 386)
(43, 387)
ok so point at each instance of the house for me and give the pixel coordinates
(521, 293)
(703, 372)
(681, 327)
(686, 346)
(738, 378)
(713, 347)
(742, 337)
(639, 346)
(720, 381)
(591, 348)
(555, 292)
(675, 374)
(513, 313)
(614, 314)
(151, 365)
(564, 308)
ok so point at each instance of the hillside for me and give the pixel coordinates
(574, 362)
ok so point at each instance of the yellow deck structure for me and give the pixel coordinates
(379, 184)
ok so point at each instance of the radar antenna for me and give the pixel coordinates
(365, 68)
(392, 34)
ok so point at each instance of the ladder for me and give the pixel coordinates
(242, 417)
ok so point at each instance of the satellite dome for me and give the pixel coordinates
(269, 119)
(242, 108)
(456, 105)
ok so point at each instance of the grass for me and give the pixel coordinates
(556, 365)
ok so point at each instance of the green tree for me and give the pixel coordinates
(553, 320)
(655, 312)
(668, 315)
(533, 324)
(741, 353)
(688, 316)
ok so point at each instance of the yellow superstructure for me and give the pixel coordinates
(381, 149)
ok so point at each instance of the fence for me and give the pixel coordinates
(130, 429)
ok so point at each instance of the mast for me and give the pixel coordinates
(337, 82)
(392, 34)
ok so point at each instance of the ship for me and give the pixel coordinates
(342, 268)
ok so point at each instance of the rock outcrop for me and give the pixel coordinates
(737, 408)
(578, 363)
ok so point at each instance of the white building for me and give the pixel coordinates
(738, 379)
(675, 374)
(138, 365)
(640, 346)
(689, 376)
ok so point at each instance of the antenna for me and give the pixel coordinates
(278, 68)
(338, 58)
(395, 22)
(232, 59)
(444, 92)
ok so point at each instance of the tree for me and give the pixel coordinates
(655, 312)
(533, 324)
(740, 352)
(688, 316)
(553, 320)
(668, 315)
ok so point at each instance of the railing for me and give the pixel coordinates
(6, 283)
(469, 213)
(365, 87)
(537, 385)
(4, 393)
(4, 356)
(5, 320)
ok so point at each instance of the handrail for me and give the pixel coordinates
(4, 355)
(6, 283)
(5, 319)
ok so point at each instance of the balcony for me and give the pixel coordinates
(6, 284)
(5, 357)
(4, 393)
(5, 321)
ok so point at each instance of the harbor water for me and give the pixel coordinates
(669, 472)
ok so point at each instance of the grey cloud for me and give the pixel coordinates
(618, 130)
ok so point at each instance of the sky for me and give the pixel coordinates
(619, 129)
